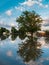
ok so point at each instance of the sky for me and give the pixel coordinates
(11, 9)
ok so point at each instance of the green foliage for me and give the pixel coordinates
(13, 30)
(2, 30)
(29, 21)
(13, 36)
(22, 36)
(3, 37)
(47, 32)
(22, 30)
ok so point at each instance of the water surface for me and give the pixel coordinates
(18, 50)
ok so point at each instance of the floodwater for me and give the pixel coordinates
(22, 50)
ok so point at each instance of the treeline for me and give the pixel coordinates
(12, 31)
(4, 31)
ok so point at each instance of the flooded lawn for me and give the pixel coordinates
(15, 50)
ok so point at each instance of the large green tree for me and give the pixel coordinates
(29, 22)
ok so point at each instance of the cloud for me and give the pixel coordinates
(9, 12)
(39, 62)
(34, 63)
(46, 6)
(45, 24)
(28, 3)
(40, 0)
(8, 22)
(46, 21)
(20, 8)
(33, 2)
(9, 53)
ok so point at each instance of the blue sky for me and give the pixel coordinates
(8, 4)
(11, 9)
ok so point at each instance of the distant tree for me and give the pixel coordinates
(2, 30)
(13, 30)
(29, 22)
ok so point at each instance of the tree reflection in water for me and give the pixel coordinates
(30, 49)
(13, 36)
(3, 37)
(22, 36)
(47, 39)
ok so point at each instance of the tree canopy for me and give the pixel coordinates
(29, 21)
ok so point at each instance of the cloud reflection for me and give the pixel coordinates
(9, 53)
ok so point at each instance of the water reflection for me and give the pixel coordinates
(47, 39)
(22, 36)
(3, 37)
(13, 36)
(30, 49)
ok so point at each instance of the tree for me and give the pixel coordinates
(13, 36)
(47, 33)
(13, 30)
(29, 22)
(30, 49)
(2, 30)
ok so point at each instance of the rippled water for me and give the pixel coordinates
(30, 52)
